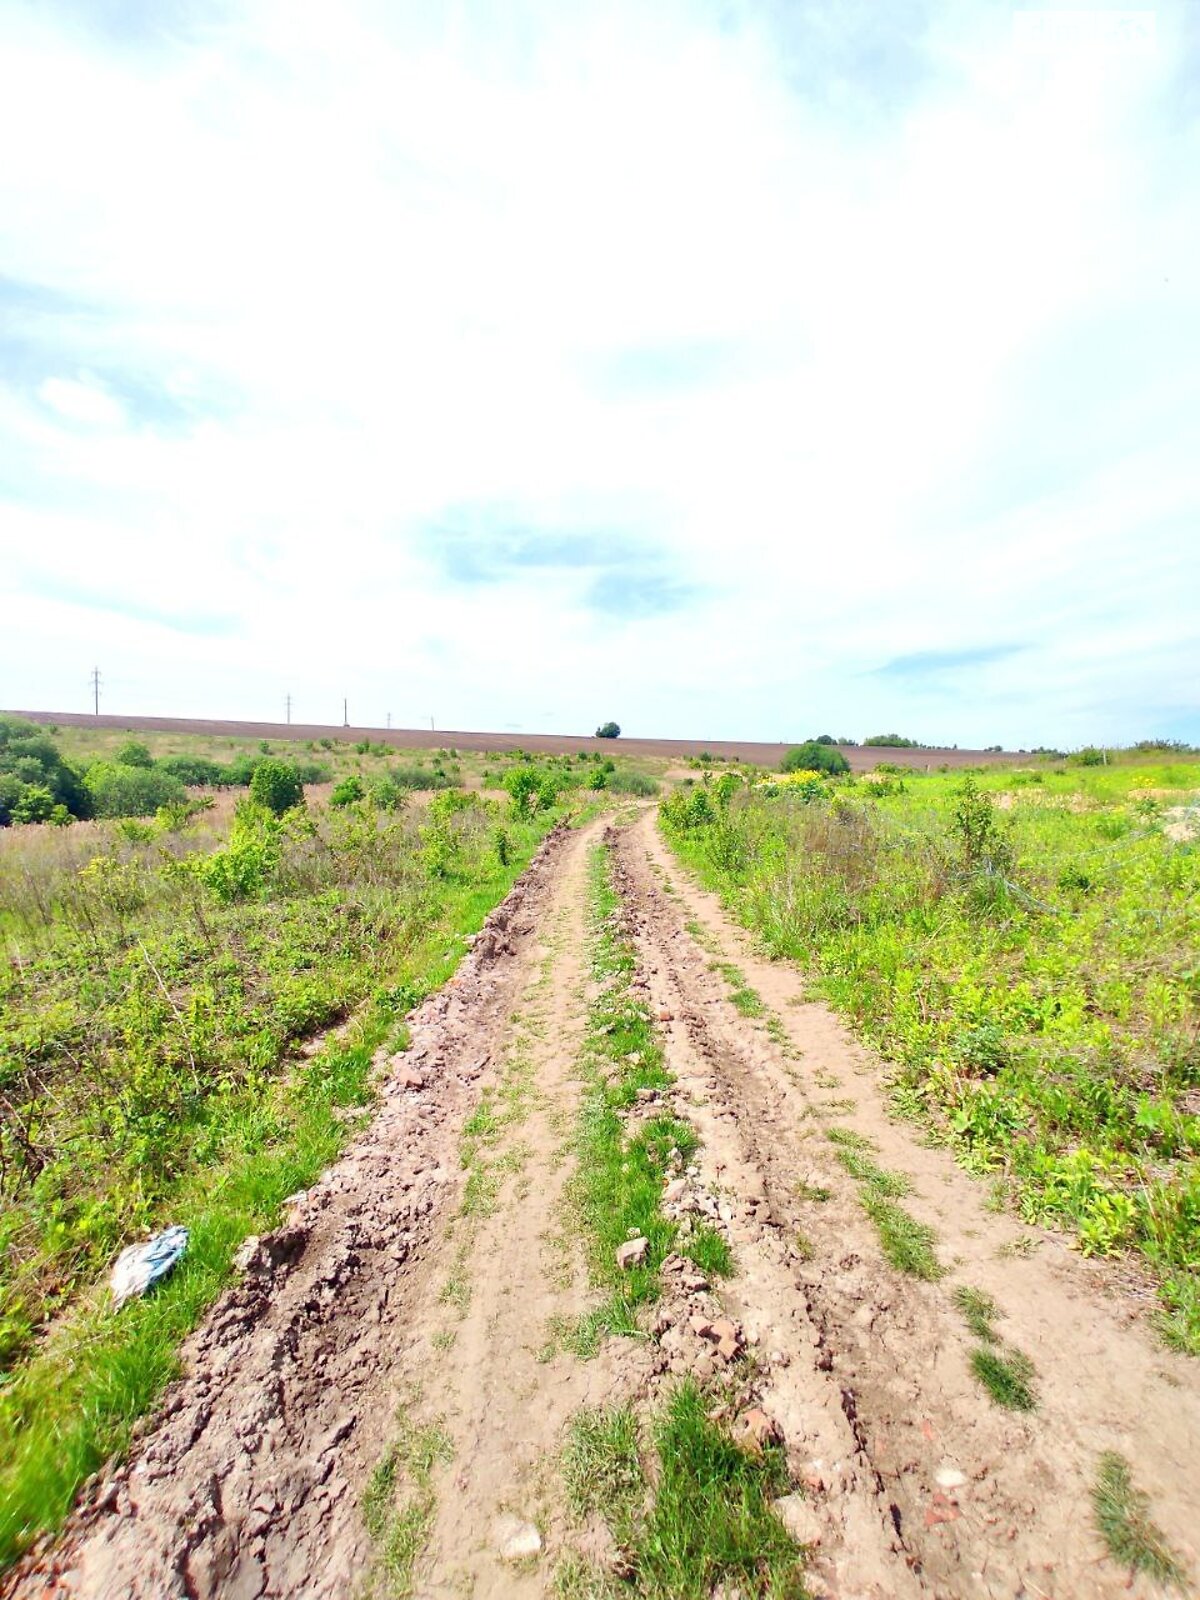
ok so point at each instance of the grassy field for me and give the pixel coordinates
(189, 1010)
(1024, 949)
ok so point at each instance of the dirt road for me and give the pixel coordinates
(402, 1321)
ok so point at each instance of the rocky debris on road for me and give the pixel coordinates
(799, 1517)
(759, 1430)
(632, 1253)
(514, 1539)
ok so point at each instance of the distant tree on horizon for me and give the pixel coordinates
(608, 730)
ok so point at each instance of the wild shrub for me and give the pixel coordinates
(983, 843)
(815, 756)
(276, 786)
(196, 771)
(134, 754)
(347, 790)
(31, 759)
(418, 777)
(629, 782)
(533, 789)
(34, 803)
(608, 730)
(122, 791)
(244, 868)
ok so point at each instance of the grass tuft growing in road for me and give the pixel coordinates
(708, 1527)
(1122, 1513)
(979, 1310)
(907, 1243)
(1007, 1375)
(602, 1470)
(399, 1503)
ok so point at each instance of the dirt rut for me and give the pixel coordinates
(419, 1284)
(899, 1414)
(249, 1483)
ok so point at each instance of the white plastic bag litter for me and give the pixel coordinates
(143, 1264)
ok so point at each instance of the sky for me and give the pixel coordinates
(728, 368)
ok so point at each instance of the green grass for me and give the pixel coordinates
(744, 999)
(602, 1471)
(908, 1244)
(704, 1523)
(187, 1105)
(877, 1179)
(399, 1505)
(1007, 1375)
(980, 1311)
(711, 1522)
(1020, 945)
(618, 1184)
(1122, 1513)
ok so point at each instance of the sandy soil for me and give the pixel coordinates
(392, 1288)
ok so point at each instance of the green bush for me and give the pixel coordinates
(815, 756)
(30, 758)
(243, 870)
(893, 741)
(347, 791)
(197, 771)
(416, 777)
(34, 804)
(276, 787)
(533, 789)
(608, 730)
(120, 791)
(134, 754)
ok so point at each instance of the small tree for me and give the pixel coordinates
(134, 754)
(276, 786)
(815, 757)
(347, 790)
(608, 730)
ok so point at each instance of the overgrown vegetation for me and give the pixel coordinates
(1122, 1513)
(156, 986)
(36, 783)
(708, 1525)
(1022, 946)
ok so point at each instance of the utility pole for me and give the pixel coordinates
(289, 708)
(345, 713)
(96, 690)
(389, 719)
(431, 724)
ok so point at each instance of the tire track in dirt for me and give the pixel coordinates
(247, 1481)
(896, 1349)
(415, 1284)
(479, 1363)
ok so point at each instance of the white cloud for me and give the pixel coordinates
(322, 281)
(82, 401)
